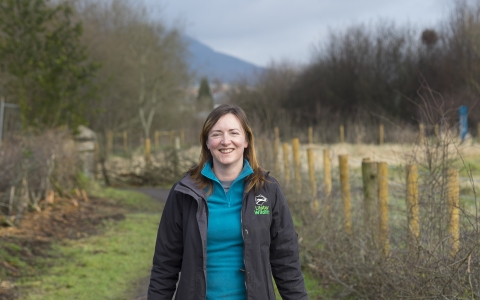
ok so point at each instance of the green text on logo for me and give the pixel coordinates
(262, 210)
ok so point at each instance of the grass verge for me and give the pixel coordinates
(106, 265)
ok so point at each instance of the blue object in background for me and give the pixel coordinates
(463, 112)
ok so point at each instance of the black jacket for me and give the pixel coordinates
(270, 245)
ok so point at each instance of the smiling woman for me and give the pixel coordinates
(226, 142)
(232, 212)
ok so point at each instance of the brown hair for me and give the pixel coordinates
(255, 180)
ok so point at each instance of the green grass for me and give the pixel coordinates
(131, 200)
(105, 266)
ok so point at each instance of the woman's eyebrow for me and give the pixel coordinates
(219, 130)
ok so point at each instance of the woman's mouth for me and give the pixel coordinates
(226, 151)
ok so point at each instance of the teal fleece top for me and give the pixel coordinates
(225, 275)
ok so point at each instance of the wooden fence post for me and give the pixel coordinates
(96, 159)
(327, 172)
(177, 143)
(311, 173)
(286, 164)
(421, 133)
(342, 134)
(381, 134)
(125, 141)
(382, 170)
(345, 187)
(276, 151)
(297, 165)
(12, 196)
(369, 177)
(310, 134)
(157, 139)
(172, 138)
(182, 138)
(109, 141)
(147, 152)
(327, 181)
(412, 206)
(453, 210)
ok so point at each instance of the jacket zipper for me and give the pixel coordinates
(243, 237)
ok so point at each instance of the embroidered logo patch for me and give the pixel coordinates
(261, 209)
(260, 199)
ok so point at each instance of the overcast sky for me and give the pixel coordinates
(260, 31)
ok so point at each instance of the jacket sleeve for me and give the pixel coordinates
(167, 259)
(284, 253)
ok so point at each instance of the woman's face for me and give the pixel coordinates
(226, 142)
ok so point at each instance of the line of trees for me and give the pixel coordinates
(377, 70)
(107, 64)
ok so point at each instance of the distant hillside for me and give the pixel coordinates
(204, 61)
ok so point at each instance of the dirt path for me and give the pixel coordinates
(160, 195)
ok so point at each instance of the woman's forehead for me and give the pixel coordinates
(228, 121)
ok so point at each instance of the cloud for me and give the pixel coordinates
(261, 30)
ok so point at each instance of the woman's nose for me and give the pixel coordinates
(225, 139)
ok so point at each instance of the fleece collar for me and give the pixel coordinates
(208, 172)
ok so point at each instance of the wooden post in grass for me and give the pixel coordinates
(96, 158)
(345, 188)
(327, 182)
(412, 206)
(12, 196)
(125, 141)
(437, 132)
(182, 138)
(381, 134)
(382, 171)
(310, 134)
(311, 176)
(369, 177)
(453, 210)
(342, 134)
(109, 141)
(297, 165)
(421, 133)
(286, 164)
(157, 139)
(276, 150)
(147, 151)
(172, 138)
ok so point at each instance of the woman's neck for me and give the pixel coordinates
(227, 174)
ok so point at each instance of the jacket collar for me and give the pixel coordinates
(207, 171)
(188, 183)
(188, 186)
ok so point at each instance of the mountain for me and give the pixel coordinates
(206, 62)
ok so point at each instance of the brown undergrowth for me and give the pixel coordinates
(23, 248)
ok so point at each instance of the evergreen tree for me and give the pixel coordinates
(204, 98)
(46, 69)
